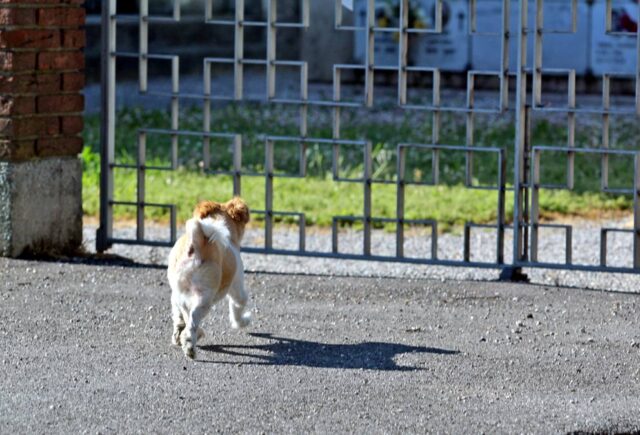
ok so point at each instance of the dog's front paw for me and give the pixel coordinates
(242, 322)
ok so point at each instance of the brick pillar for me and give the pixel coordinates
(41, 77)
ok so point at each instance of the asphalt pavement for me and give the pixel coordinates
(85, 348)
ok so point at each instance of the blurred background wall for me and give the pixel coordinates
(590, 50)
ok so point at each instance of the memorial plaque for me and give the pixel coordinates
(614, 51)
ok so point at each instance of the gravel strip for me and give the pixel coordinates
(586, 243)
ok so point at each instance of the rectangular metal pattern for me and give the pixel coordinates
(524, 106)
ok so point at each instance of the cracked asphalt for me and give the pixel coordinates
(84, 347)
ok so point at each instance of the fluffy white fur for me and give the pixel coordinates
(215, 230)
(205, 266)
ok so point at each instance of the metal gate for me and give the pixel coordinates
(518, 93)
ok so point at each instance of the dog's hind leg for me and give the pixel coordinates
(238, 299)
(178, 324)
(190, 334)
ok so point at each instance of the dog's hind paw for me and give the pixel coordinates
(176, 337)
(242, 322)
(189, 351)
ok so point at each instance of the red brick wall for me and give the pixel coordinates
(41, 76)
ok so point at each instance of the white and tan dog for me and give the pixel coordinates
(204, 267)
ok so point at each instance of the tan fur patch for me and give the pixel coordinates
(207, 209)
(237, 210)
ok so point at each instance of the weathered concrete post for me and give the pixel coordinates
(41, 77)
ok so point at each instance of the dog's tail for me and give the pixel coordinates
(207, 231)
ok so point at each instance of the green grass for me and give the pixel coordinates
(318, 195)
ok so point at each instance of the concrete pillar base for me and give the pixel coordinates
(40, 207)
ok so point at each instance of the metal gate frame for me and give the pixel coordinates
(526, 183)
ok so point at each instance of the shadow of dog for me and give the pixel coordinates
(290, 352)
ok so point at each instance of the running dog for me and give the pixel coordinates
(204, 267)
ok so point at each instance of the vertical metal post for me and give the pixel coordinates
(537, 50)
(302, 238)
(206, 116)
(569, 245)
(140, 191)
(238, 53)
(335, 160)
(176, 10)
(526, 215)
(175, 109)
(367, 199)
(337, 76)
(173, 223)
(469, 129)
(403, 48)
(304, 116)
(304, 96)
(272, 17)
(466, 249)
(268, 200)
(434, 241)
(603, 247)
(519, 144)
(473, 16)
(369, 57)
(502, 169)
(638, 64)
(636, 213)
(435, 129)
(400, 164)
(337, 9)
(571, 128)
(437, 27)
(504, 55)
(143, 48)
(636, 199)
(535, 211)
(107, 125)
(606, 104)
(237, 165)
(208, 10)
(305, 13)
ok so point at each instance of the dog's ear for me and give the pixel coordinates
(206, 208)
(237, 210)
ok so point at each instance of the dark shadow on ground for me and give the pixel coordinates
(89, 259)
(290, 352)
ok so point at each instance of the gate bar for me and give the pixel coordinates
(521, 121)
(107, 125)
